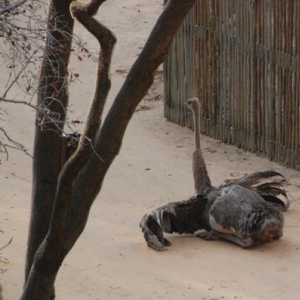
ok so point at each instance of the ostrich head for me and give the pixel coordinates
(193, 104)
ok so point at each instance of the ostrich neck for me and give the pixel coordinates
(197, 129)
(201, 178)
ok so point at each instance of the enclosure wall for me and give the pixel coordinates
(242, 59)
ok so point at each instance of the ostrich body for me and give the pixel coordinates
(245, 211)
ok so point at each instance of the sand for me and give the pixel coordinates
(111, 259)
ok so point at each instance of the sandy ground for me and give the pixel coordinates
(111, 259)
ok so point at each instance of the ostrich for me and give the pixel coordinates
(244, 211)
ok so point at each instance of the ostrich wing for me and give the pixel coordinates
(249, 180)
(271, 192)
(176, 217)
(268, 184)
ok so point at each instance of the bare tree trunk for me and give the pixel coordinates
(82, 176)
(47, 144)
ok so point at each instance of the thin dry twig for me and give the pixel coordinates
(12, 7)
(6, 244)
(22, 51)
(15, 145)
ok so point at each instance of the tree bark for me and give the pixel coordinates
(80, 182)
(47, 143)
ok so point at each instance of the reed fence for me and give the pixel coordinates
(242, 59)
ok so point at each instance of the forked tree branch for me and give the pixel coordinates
(52, 245)
(87, 184)
(135, 87)
(109, 139)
